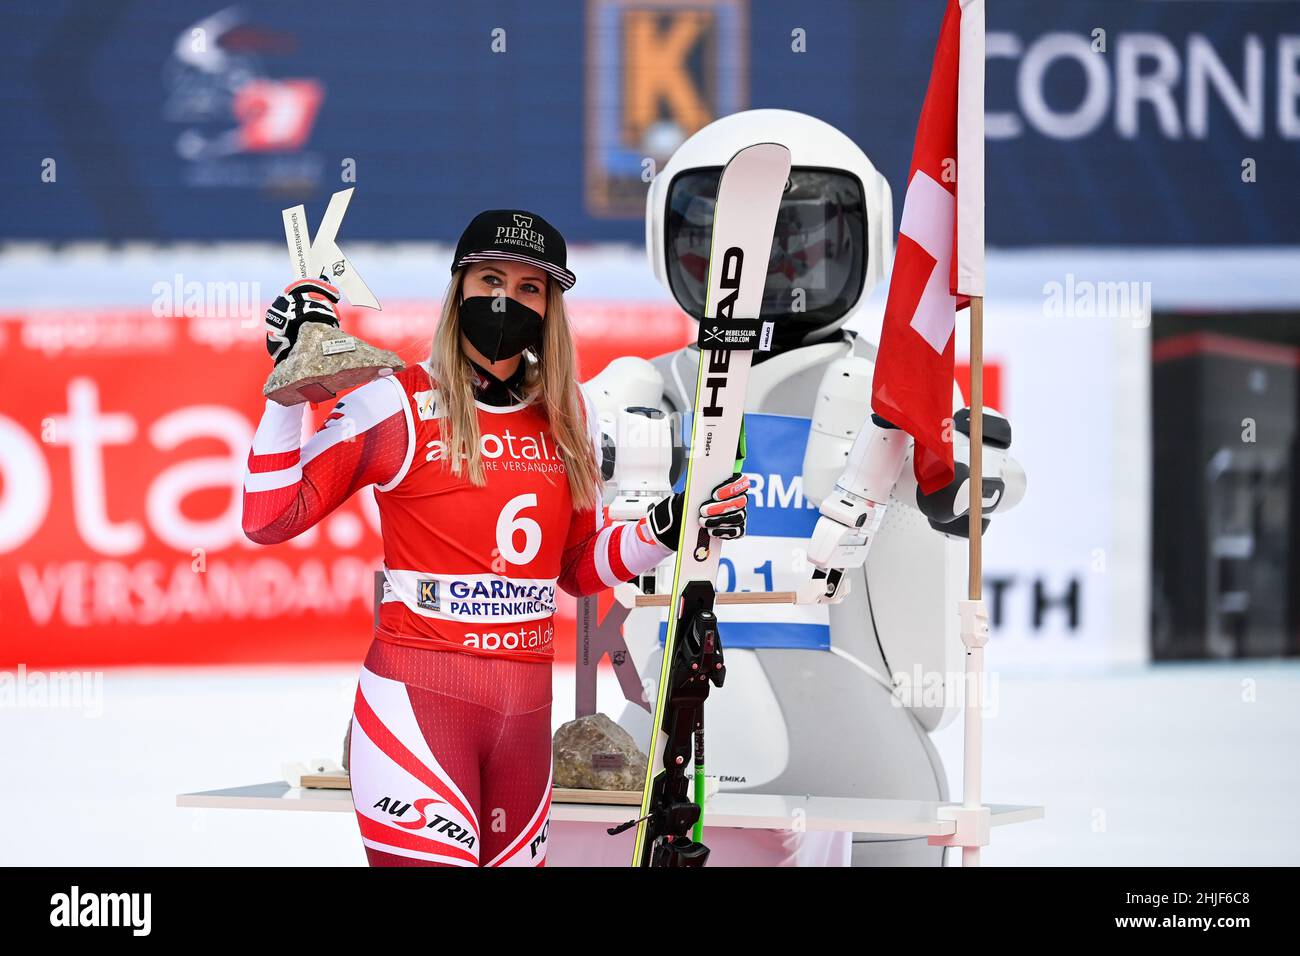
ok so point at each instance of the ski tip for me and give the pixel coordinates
(770, 152)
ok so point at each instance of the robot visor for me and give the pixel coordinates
(819, 250)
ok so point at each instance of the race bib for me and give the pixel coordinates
(772, 555)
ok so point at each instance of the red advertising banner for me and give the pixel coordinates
(123, 442)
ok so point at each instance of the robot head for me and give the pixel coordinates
(834, 230)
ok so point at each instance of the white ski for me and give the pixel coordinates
(744, 219)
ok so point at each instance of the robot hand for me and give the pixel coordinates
(1003, 484)
(844, 531)
(852, 512)
(839, 542)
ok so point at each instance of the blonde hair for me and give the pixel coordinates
(549, 378)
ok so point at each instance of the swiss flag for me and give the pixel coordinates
(939, 257)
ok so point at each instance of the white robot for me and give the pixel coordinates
(831, 699)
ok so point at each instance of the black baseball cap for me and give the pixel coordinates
(518, 235)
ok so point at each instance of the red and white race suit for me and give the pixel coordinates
(450, 751)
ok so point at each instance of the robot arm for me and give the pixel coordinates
(850, 469)
(877, 470)
(852, 512)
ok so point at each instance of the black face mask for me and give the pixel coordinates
(501, 332)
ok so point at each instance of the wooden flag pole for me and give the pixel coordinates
(974, 619)
(975, 589)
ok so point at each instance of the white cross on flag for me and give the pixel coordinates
(939, 258)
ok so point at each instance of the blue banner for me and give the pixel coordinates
(1108, 123)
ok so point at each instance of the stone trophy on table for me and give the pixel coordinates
(315, 360)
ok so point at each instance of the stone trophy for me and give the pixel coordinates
(324, 359)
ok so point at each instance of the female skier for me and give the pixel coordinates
(485, 465)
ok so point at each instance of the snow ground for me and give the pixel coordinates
(1181, 764)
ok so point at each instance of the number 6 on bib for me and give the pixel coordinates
(744, 219)
(509, 523)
